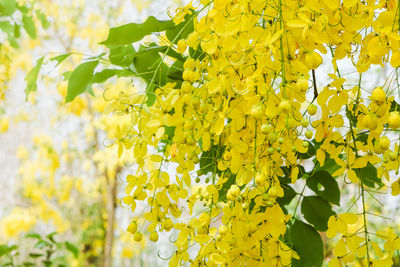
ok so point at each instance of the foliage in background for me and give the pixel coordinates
(46, 251)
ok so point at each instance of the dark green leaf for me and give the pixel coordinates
(310, 152)
(288, 170)
(209, 159)
(308, 244)
(369, 176)
(29, 26)
(31, 78)
(317, 211)
(51, 237)
(79, 79)
(330, 165)
(175, 72)
(351, 116)
(133, 32)
(28, 264)
(73, 249)
(394, 106)
(60, 58)
(225, 187)
(289, 194)
(325, 186)
(35, 255)
(197, 54)
(363, 137)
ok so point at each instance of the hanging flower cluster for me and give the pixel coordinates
(235, 109)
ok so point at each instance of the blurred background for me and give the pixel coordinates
(59, 173)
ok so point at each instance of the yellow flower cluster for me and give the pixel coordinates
(244, 114)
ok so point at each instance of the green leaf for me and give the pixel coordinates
(325, 186)
(121, 55)
(225, 187)
(6, 249)
(369, 176)
(34, 235)
(175, 72)
(209, 159)
(29, 26)
(43, 19)
(183, 29)
(35, 255)
(310, 152)
(65, 75)
(394, 106)
(72, 248)
(51, 237)
(31, 78)
(102, 76)
(79, 79)
(330, 165)
(6, 27)
(17, 31)
(133, 32)
(60, 58)
(289, 194)
(7, 7)
(308, 244)
(41, 244)
(317, 211)
(149, 66)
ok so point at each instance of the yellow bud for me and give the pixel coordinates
(378, 95)
(312, 109)
(153, 236)
(132, 228)
(138, 236)
(394, 120)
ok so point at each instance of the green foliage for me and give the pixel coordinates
(369, 176)
(46, 251)
(7, 7)
(325, 186)
(134, 32)
(32, 76)
(308, 244)
(60, 58)
(79, 80)
(317, 211)
(29, 26)
(182, 30)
